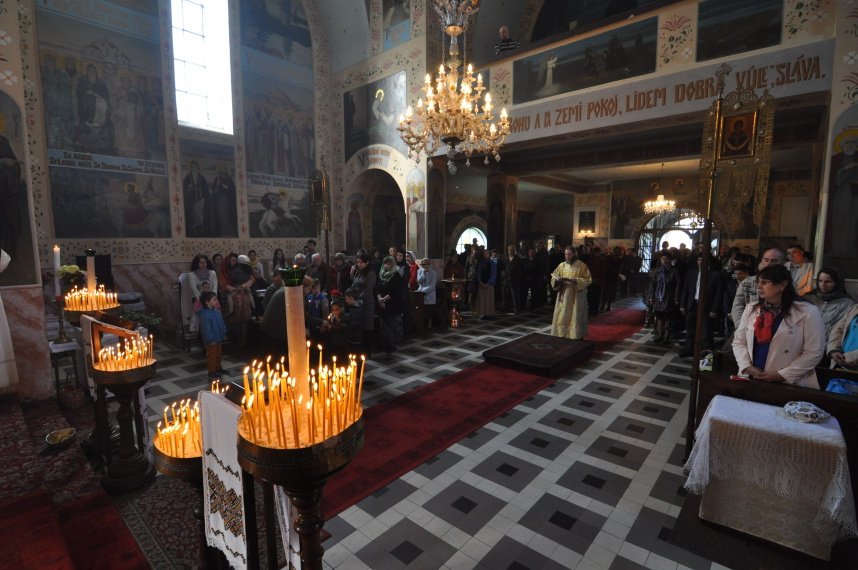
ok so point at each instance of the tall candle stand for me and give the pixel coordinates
(299, 427)
(123, 370)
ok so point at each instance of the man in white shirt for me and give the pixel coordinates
(800, 269)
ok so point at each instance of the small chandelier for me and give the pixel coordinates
(659, 205)
(451, 114)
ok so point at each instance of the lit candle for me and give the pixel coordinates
(57, 291)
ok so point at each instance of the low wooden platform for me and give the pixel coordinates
(541, 354)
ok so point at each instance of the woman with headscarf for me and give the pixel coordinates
(390, 299)
(363, 281)
(779, 338)
(830, 297)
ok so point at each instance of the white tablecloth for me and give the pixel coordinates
(758, 444)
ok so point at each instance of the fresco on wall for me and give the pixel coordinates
(16, 234)
(277, 73)
(611, 56)
(841, 231)
(728, 27)
(371, 114)
(280, 207)
(415, 191)
(208, 189)
(396, 22)
(104, 121)
(354, 224)
(278, 29)
(278, 128)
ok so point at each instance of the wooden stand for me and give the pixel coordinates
(129, 469)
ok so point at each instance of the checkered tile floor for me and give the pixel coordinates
(585, 474)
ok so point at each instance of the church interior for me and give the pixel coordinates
(154, 149)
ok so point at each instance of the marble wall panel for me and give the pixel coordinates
(25, 311)
(155, 281)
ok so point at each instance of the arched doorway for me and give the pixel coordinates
(375, 212)
(679, 227)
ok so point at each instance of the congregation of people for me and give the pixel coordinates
(781, 318)
(369, 301)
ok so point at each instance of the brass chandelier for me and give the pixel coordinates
(451, 114)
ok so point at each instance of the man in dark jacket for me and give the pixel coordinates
(688, 305)
(555, 258)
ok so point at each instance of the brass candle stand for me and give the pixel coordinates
(303, 473)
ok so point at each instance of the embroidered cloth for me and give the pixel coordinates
(758, 444)
(223, 503)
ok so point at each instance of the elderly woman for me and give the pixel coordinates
(239, 280)
(830, 297)
(843, 341)
(779, 338)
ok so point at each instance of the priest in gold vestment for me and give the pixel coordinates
(570, 280)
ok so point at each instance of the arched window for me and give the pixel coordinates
(468, 236)
(681, 226)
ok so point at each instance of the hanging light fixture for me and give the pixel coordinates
(660, 205)
(451, 114)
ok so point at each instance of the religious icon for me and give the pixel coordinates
(737, 135)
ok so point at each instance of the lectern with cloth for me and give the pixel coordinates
(770, 476)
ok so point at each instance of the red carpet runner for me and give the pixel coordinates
(86, 534)
(404, 432)
(614, 326)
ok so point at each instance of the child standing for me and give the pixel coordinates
(212, 331)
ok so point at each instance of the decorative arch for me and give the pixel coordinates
(472, 221)
(717, 223)
(363, 213)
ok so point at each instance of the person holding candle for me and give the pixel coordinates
(348, 333)
(212, 333)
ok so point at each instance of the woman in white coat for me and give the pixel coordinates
(780, 338)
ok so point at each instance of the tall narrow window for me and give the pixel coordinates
(201, 64)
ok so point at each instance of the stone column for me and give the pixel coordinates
(501, 210)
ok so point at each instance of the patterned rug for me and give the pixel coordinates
(48, 497)
(541, 354)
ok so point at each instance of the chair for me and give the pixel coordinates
(190, 333)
